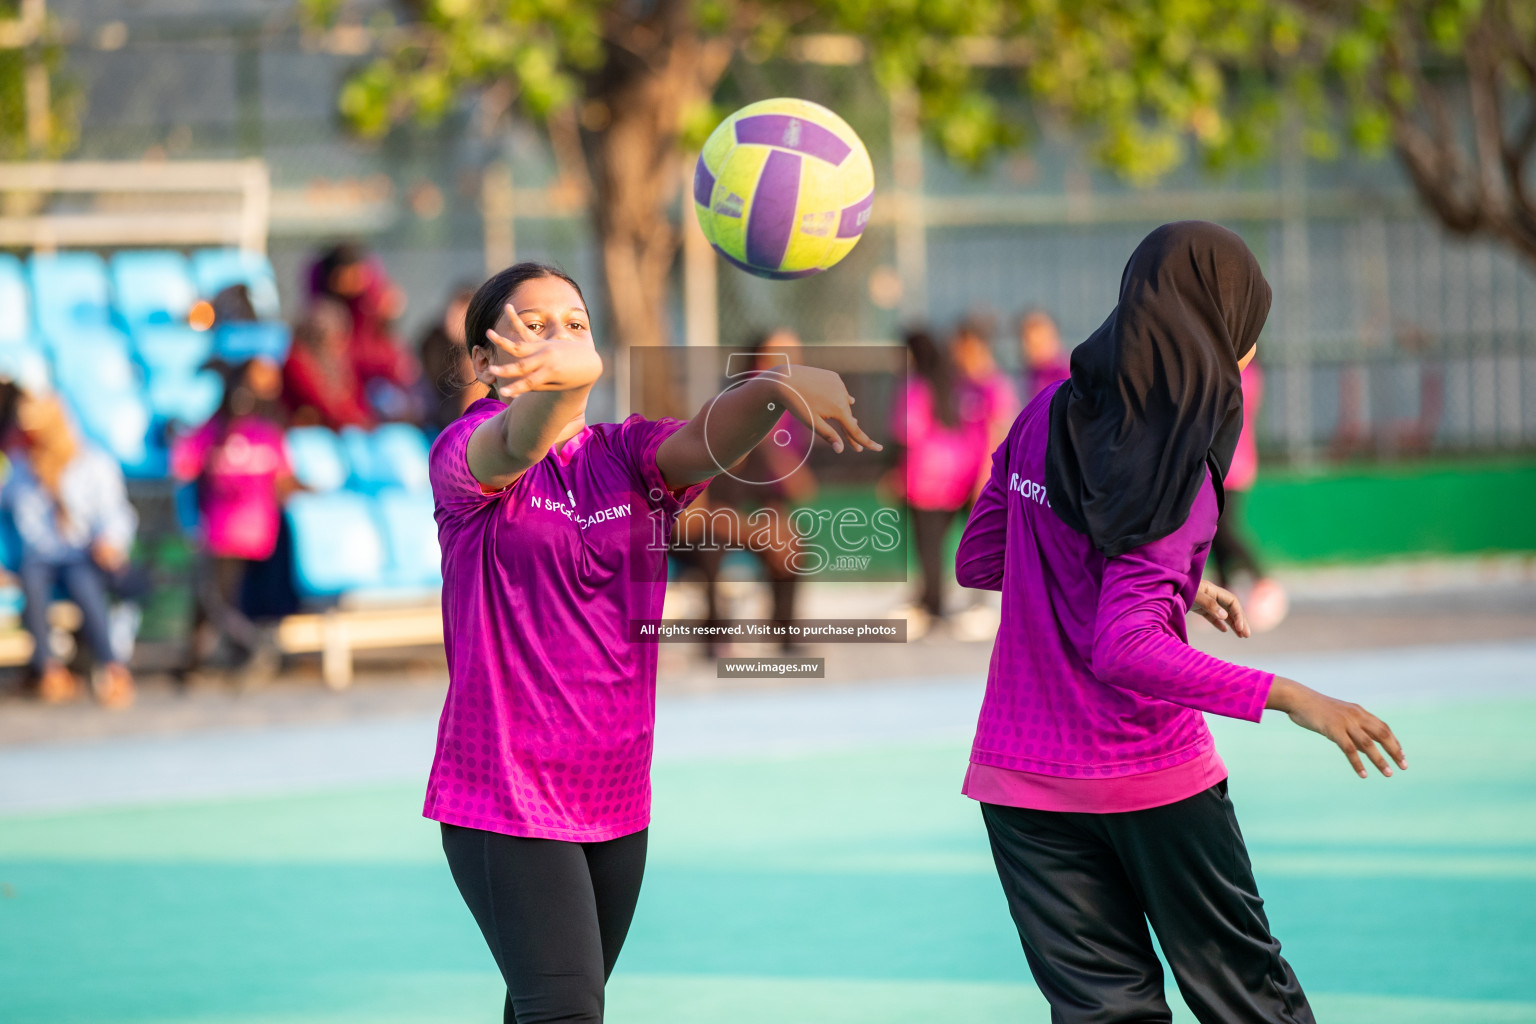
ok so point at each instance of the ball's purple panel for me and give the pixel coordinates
(794, 133)
(772, 275)
(772, 217)
(703, 184)
(851, 223)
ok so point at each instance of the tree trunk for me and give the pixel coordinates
(656, 71)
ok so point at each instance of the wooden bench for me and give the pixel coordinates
(336, 633)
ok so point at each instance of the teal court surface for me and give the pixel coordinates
(812, 861)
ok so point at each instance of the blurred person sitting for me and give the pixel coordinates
(319, 383)
(239, 463)
(69, 505)
(386, 372)
(448, 383)
(1045, 361)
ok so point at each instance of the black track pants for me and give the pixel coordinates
(1082, 887)
(554, 914)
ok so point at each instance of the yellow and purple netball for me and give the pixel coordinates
(783, 188)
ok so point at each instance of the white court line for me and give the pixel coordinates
(297, 758)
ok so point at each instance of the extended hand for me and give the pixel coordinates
(1353, 728)
(556, 361)
(826, 401)
(1220, 608)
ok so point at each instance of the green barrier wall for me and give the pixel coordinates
(1379, 512)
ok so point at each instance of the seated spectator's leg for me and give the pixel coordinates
(86, 585)
(37, 579)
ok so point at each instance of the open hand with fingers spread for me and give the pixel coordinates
(1354, 729)
(826, 402)
(543, 356)
(1221, 608)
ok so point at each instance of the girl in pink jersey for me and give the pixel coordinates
(554, 536)
(1104, 798)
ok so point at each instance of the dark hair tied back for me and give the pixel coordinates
(492, 296)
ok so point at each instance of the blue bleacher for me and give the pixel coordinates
(409, 532)
(112, 337)
(336, 543)
(240, 341)
(319, 463)
(188, 399)
(69, 291)
(171, 348)
(152, 286)
(15, 304)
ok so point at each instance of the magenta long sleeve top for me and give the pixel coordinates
(1094, 696)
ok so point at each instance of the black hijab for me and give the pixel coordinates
(1154, 396)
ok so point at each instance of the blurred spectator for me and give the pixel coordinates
(385, 370)
(447, 378)
(70, 509)
(937, 465)
(984, 393)
(1044, 360)
(773, 478)
(1267, 603)
(233, 306)
(320, 385)
(239, 462)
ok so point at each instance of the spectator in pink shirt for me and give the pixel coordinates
(942, 454)
(1231, 555)
(239, 463)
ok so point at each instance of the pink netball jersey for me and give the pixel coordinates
(546, 731)
(1093, 698)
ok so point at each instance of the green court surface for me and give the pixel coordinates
(846, 885)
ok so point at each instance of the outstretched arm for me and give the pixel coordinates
(734, 422)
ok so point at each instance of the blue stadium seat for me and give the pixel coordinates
(318, 461)
(10, 543)
(336, 543)
(188, 398)
(400, 457)
(152, 286)
(118, 421)
(213, 270)
(391, 456)
(15, 304)
(69, 290)
(167, 348)
(96, 359)
(240, 341)
(412, 557)
(357, 448)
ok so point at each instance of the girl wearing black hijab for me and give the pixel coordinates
(1103, 795)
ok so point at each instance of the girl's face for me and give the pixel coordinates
(549, 308)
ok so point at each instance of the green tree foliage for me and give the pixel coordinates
(28, 51)
(1447, 84)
